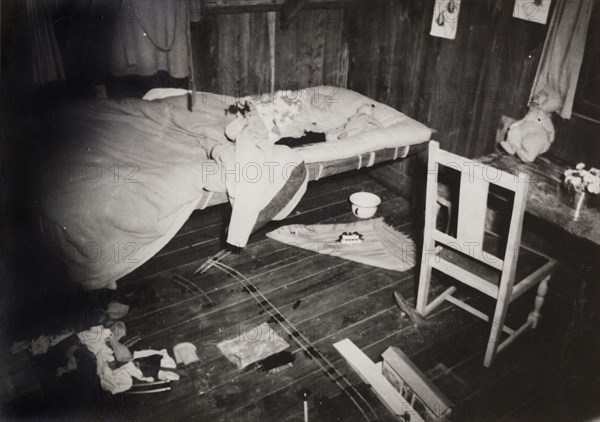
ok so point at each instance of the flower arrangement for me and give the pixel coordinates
(582, 180)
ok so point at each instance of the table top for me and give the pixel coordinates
(545, 178)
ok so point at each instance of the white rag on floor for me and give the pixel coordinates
(121, 379)
(382, 246)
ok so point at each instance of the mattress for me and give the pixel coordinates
(325, 108)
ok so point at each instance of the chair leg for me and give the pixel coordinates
(424, 284)
(496, 330)
(542, 289)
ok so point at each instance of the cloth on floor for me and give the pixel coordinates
(253, 345)
(40, 345)
(115, 381)
(381, 245)
(166, 361)
(71, 364)
(116, 310)
(121, 379)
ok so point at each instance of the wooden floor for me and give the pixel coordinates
(327, 299)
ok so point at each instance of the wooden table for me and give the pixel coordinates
(544, 202)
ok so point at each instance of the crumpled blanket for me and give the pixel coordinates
(127, 175)
(381, 245)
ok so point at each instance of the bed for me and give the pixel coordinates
(130, 172)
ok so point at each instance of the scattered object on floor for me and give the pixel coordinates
(277, 362)
(382, 246)
(414, 385)
(309, 348)
(305, 392)
(118, 330)
(122, 353)
(40, 345)
(149, 365)
(115, 381)
(159, 387)
(253, 345)
(371, 374)
(364, 204)
(116, 310)
(71, 364)
(415, 318)
(348, 238)
(185, 353)
(496, 271)
(167, 366)
(120, 379)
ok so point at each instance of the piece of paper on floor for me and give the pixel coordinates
(252, 345)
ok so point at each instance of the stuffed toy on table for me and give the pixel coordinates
(533, 134)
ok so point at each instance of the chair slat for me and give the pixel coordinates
(472, 211)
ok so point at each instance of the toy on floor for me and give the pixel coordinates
(348, 238)
(534, 133)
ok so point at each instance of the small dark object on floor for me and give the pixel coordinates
(297, 304)
(150, 365)
(307, 138)
(278, 360)
(415, 318)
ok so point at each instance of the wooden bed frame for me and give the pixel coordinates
(319, 170)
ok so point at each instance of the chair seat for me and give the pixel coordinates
(528, 263)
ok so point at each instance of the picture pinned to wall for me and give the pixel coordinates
(445, 18)
(532, 10)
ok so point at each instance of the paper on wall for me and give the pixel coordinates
(445, 18)
(532, 10)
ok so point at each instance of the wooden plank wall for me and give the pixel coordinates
(231, 51)
(459, 87)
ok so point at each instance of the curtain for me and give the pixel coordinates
(151, 36)
(561, 58)
(46, 59)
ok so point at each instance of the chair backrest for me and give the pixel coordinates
(475, 181)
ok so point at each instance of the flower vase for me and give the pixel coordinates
(579, 201)
(574, 199)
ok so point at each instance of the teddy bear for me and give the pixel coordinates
(534, 133)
